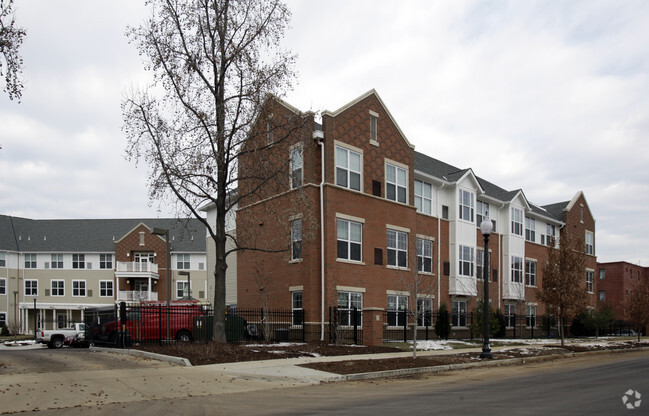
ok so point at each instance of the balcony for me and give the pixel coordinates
(134, 270)
(136, 295)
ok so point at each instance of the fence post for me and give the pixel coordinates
(471, 325)
(355, 323)
(303, 327)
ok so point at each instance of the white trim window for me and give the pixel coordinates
(424, 197)
(57, 287)
(590, 244)
(31, 287)
(182, 289)
(530, 315)
(397, 310)
(479, 264)
(396, 183)
(549, 234)
(296, 164)
(374, 127)
(346, 303)
(106, 261)
(78, 261)
(349, 240)
(3, 286)
(517, 221)
(3, 319)
(482, 212)
(530, 227)
(517, 269)
(3, 259)
(348, 168)
(466, 261)
(590, 274)
(397, 249)
(466, 206)
(530, 273)
(30, 261)
(183, 261)
(458, 313)
(424, 311)
(56, 261)
(510, 315)
(297, 311)
(79, 288)
(424, 255)
(296, 239)
(106, 288)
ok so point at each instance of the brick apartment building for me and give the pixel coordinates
(616, 281)
(359, 213)
(57, 268)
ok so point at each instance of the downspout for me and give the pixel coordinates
(439, 252)
(319, 135)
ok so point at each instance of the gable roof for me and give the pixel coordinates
(92, 235)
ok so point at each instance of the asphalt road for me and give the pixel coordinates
(592, 385)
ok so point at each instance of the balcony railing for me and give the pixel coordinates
(136, 267)
(137, 295)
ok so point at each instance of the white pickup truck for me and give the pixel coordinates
(56, 338)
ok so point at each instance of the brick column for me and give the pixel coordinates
(372, 326)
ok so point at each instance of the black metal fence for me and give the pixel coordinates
(345, 325)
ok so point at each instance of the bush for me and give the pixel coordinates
(4, 331)
(443, 324)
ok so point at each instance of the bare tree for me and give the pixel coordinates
(636, 306)
(214, 63)
(11, 37)
(564, 277)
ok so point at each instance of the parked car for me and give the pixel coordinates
(57, 338)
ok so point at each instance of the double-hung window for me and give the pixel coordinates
(424, 255)
(482, 212)
(3, 286)
(590, 245)
(348, 168)
(589, 280)
(349, 240)
(3, 259)
(78, 288)
(397, 310)
(530, 315)
(182, 289)
(58, 287)
(296, 167)
(466, 205)
(183, 262)
(466, 261)
(78, 261)
(30, 261)
(106, 288)
(57, 261)
(105, 261)
(296, 239)
(530, 227)
(549, 234)
(530, 273)
(510, 315)
(348, 302)
(424, 311)
(517, 221)
(296, 308)
(517, 269)
(396, 182)
(424, 197)
(479, 264)
(397, 249)
(458, 313)
(31, 287)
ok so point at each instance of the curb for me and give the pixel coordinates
(490, 363)
(144, 354)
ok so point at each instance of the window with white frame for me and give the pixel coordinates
(3, 259)
(510, 315)
(590, 274)
(466, 205)
(397, 249)
(183, 261)
(31, 287)
(530, 315)
(348, 168)
(78, 288)
(458, 313)
(347, 301)
(590, 245)
(374, 126)
(58, 287)
(296, 239)
(530, 229)
(530, 273)
(517, 221)
(517, 269)
(349, 240)
(424, 197)
(3, 286)
(397, 310)
(105, 261)
(297, 311)
(182, 289)
(424, 255)
(466, 261)
(479, 264)
(482, 212)
(56, 261)
(78, 261)
(3, 319)
(106, 288)
(602, 296)
(296, 163)
(30, 261)
(424, 311)
(602, 274)
(549, 234)
(396, 183)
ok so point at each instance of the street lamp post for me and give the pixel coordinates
(165, 232)
(486, 227)
(16, 320)
(35, 335)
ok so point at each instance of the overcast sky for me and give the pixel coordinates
(551, 97)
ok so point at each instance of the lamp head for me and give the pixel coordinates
(486, 227)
